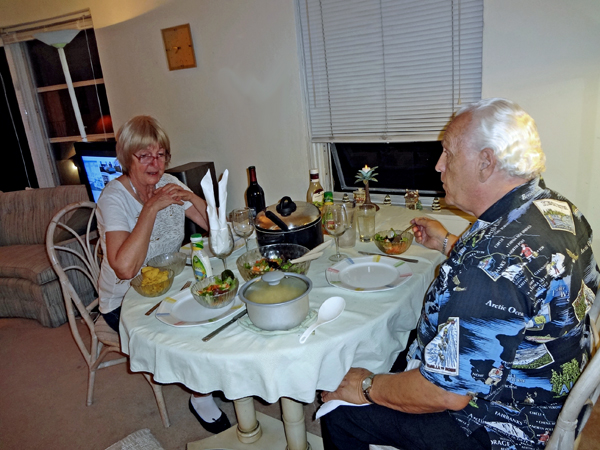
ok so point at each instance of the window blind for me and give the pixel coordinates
(388, 70)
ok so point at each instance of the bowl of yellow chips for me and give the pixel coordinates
(153, 281)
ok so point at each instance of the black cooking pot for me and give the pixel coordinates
(289, 222)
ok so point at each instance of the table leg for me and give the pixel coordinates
(248, 429)
(293, 423)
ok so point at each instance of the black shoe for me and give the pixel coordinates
(216, 427)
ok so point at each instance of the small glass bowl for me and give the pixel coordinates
(214, 301)
(283, 251)
(155, 289)
(174, 261)
(394, 248)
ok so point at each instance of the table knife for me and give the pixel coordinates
(410, 260)
(209, 336)
(186, 285)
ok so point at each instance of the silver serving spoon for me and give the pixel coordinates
(329, 310)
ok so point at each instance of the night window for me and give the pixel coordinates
(400, 165)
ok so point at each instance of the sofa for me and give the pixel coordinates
(29, 287)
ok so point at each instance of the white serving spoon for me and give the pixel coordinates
(329, 310)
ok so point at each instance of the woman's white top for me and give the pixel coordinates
(118, 210)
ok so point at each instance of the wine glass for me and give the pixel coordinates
(243, 225)
(221, 244)
(335, 223)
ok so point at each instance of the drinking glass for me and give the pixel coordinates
(335, 223)
(221, 244)
(365, 218)
(243, 225)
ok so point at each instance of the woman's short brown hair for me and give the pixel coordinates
(139, 133)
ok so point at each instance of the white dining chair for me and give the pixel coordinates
(77, 261)
(582, 396)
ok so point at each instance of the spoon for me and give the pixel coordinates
(329, 310)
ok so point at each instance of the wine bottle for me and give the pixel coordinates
(315, 191)
(255, 196)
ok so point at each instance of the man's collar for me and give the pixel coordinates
(513, 199)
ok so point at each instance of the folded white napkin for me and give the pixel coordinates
(217, 219)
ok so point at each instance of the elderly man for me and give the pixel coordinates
(503, 333)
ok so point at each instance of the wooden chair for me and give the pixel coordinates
(80, 259)
(583, 396)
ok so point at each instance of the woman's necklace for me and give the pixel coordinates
(135, 191)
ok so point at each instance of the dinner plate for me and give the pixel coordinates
(181, 310)
(368, 274)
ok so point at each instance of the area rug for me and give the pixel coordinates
(139, 440)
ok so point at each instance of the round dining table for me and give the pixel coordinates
(245, 362)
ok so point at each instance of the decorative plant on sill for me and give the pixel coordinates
(365, 175)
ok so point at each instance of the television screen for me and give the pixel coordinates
(98, 164)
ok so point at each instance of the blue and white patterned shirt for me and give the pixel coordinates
(505, 321)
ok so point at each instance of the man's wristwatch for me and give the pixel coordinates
(367, 384)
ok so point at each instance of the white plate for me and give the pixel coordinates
(368, 274)
(181, 310)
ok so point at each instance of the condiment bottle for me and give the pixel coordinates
(328, 197)
(200, 261)
(315, 191)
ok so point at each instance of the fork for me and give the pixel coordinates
(185, 286)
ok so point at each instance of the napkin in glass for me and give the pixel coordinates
(217, 217)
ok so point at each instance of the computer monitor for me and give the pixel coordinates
(97, 163)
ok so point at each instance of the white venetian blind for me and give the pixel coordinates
(389, 70)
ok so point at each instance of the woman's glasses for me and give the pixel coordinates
(147, 158)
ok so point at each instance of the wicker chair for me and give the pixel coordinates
(84, 259)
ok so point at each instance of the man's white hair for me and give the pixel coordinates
(510, 132)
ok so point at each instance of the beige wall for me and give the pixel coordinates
(545, 55)
(242, 104)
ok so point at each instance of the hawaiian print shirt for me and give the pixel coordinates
(505, 321)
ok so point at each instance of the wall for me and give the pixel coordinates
(242, 104)
(544, 54)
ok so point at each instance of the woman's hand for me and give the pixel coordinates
(169, 194)
(350, 389)
(431, 233)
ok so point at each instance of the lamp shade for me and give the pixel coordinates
(58, 38)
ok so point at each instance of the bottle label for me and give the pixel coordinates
(317, 198)
(199, 269)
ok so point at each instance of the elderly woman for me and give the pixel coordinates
(141, 215)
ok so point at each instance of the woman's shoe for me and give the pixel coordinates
(216, 427)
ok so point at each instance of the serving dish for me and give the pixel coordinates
(368, 274)
(285, 251)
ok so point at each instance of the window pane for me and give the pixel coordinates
(401, 166)
(82, 58)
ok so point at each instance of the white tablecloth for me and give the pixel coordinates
(370, 333)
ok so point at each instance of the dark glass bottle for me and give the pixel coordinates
(255, 196)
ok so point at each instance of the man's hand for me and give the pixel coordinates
(430, 233)
(350, 389)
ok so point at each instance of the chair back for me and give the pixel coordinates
(583, 396)
(70, 260)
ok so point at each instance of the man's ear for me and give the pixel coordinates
(487, 164)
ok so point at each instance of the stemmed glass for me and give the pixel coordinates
(335, 222)
(221, 244)
(243, 225)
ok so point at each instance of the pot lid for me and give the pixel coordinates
(276, 287)
(287, 215)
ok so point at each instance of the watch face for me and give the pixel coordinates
(367, 382)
